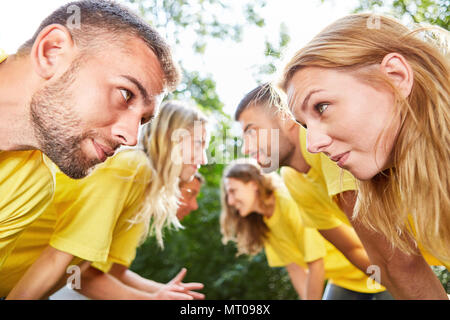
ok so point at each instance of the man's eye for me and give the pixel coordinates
(127, 95)
(321, 107)
(145, 120)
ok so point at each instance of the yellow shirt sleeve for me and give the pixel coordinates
(89, 209)
(26, 189)
(125, 241)
(288, 240)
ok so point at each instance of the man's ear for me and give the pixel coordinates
(53, 48)
(395, 66)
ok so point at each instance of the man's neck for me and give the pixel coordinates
(296, 160)
(16, 132)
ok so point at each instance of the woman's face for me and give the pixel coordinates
(240, 195)
(194, 147)
(344, 117)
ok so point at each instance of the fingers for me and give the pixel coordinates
(193, 285)
(172, 295)
(196, 295)
(175, 287)
(179, 276)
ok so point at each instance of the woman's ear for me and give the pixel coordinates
(52, 49)
(396, 68)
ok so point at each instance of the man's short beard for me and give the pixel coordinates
(284, 158)
(56, 127)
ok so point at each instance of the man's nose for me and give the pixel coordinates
(126, 129)
(249, 146)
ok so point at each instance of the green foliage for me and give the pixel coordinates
(435, 12)
(273, 53)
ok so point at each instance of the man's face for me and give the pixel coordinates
(264, 139)
(96, 106)
(189, 193)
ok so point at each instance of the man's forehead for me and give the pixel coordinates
(145, 66)
(260, 115)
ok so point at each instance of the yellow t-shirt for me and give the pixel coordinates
(88, 218)
(26, 189)
(289, 241)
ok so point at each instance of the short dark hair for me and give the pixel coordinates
(102, 17)
(264, 94)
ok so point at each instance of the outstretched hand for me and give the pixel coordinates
(175, 289)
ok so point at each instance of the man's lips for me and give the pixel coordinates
(103, 151)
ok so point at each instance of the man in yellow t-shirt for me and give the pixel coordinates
(88, 220)
(73, 103)
(332, 195)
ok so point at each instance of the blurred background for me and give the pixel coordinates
(225, 49)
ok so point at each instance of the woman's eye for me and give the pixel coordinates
(127, 95)
(321, 107)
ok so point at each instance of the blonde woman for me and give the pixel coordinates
(376, 101)
(258, 212)
(100, 220)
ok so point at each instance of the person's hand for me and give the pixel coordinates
(175, 289)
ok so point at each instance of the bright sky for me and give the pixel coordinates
(231, 64)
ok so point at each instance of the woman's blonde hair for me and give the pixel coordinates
(418, 183)
(248, 232)
(159, 142)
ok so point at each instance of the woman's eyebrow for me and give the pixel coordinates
(308, 96)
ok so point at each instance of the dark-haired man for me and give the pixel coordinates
(73, 94)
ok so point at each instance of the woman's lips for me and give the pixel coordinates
(341, 158)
